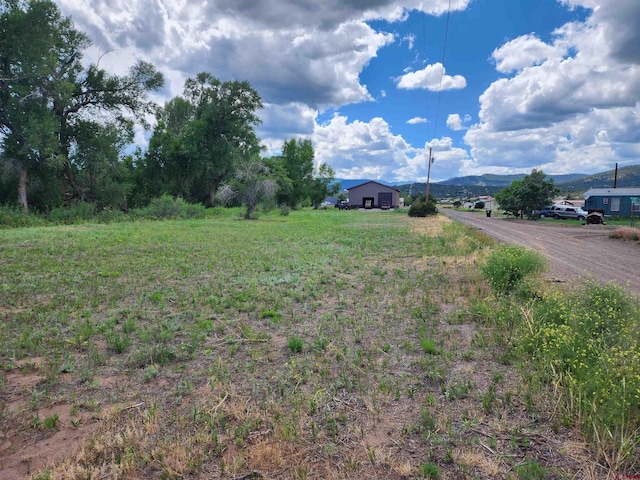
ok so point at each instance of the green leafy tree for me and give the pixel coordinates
(278, 173)
(530, 193)
(201, 136)
(298, 158)
(35, 41)
(509, 198)
(47, 99)
(95, 101)
(321, 185)
(102, 176)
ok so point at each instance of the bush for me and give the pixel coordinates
(166, 207)
(508, 266)
(77, 212)
(12, 217)
(422, 209)
(626, 233)
(284, 209)
(108, 215)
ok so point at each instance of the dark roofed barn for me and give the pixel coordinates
(372, 195)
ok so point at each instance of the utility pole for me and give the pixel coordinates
(426, 195)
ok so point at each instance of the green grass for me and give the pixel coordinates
(320, 344)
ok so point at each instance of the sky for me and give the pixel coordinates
(489, 86)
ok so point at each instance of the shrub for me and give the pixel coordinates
(508, 266)
(284, 209)
(77, 212)
(626, 233)
(12, 217)
(166, 207)
(422, 209)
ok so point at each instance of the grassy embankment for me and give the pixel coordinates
(322, 344)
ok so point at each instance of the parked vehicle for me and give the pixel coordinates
(385, 205)
(566, 211)
(343, 205)
(545, 212)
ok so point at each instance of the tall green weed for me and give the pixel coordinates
(508, 267)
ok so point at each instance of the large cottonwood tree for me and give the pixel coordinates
(201, 136)
(48, 98)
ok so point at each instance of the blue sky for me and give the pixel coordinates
(551, 84)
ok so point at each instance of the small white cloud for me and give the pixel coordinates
(454, 122)
(433, 78)
(416, 120)
(524, 51)
(410, 39)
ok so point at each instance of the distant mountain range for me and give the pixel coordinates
(490, 180)
(349, 183)
(489, 184)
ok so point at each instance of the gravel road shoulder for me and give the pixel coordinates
(575, 252)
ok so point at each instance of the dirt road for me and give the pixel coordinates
(575, 251)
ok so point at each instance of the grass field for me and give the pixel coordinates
(323, 344)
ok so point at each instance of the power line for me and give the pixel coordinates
(444, 54)
(435, 125)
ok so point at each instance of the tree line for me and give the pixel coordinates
(66, 130)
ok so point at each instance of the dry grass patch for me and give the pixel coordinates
(626, 233)
(431, 226)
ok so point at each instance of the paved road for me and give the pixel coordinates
(575, 251)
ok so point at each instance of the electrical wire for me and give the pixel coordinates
(444, 54)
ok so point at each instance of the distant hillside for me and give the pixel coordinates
(489, 184)
(491, 180)
(448, 191)
(628, 177)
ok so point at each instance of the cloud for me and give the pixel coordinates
(454, 122)
(416, 120)
(619, 25)
(433, 78)
(522, 52)
(284, 122)
(370, 150)
(361, 149)
(571, 104)
(410, 40)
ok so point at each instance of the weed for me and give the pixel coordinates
(51, 422)
(429, 470)
(530, 470)
(489, 399)
(295, 344)
(457, 390)
(428, 346)
(427, 420)
(508, 266)
(150, 372)
(118, 343)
